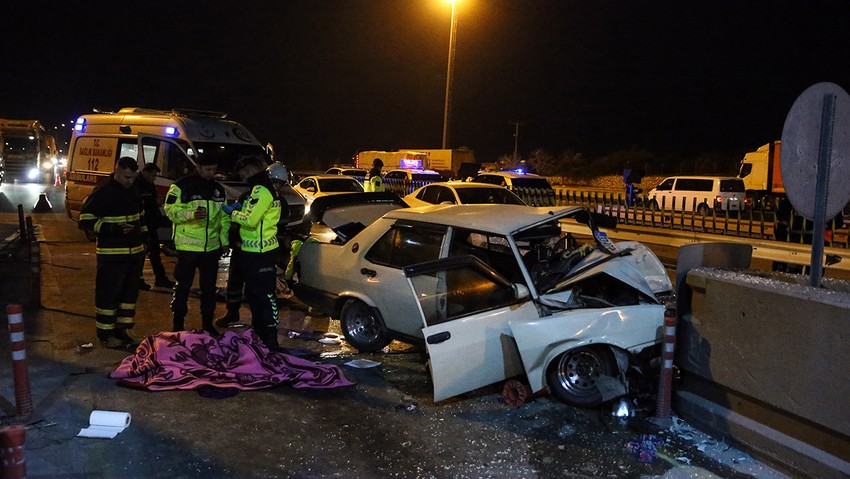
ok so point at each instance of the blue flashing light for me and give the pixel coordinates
(170, 131)
(80, 124)
(519, 171)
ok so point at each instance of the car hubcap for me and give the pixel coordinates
(362, 325)
(577, 372)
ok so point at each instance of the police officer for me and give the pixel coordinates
(194, 206)
(279, 176)
(374, 182)
(114, 213)
(258, 217)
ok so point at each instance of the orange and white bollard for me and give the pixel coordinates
(12, 441)
(665, 378)
(23, 395)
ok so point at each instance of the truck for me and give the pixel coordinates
(29, 154)
(760, 170)
(446, 161)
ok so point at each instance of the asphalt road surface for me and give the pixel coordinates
(385, 426)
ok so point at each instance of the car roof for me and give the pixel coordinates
(328, 177)
(463, 184)
(509, 174)
(412, 170)
(494, 218)
(703, 177)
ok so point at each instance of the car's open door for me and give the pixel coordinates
(465, 307)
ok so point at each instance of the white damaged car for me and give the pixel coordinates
(495, 291)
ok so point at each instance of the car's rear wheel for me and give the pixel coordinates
(652, 205)
(572, 375)
(361, 326)
(702, 209)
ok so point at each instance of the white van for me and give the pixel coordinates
(171, 139)
(700, 193)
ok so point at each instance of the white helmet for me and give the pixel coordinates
(278, 171)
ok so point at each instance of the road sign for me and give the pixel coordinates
(801, 147)
(814, 160)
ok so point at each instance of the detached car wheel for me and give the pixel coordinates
(361, 326)
(572, 375)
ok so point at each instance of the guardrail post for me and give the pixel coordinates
(22, 227)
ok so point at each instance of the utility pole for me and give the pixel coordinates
(516, 125)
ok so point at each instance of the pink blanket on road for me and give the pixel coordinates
(189, 360)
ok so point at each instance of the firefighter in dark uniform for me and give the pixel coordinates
(194, 205)
(258, 218)
(146, 186)
(114, 213)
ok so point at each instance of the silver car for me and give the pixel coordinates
(493, 291)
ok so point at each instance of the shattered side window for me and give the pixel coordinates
(405, 244)
(459, 292)
(492, 249)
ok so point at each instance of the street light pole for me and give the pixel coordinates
(449, 77)
(516, 137)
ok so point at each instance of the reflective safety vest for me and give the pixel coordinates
(374, 183)
(106, 212)
(258, 219)
(181, 203)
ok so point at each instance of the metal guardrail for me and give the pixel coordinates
(747, 223)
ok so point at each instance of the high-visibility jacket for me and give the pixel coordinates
(259, 216)
(373, 183)
(106, 211)
(197, 234)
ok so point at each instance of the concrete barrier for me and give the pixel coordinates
(765, 363)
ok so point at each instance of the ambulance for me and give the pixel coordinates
(173, 140)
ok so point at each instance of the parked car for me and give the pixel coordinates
(493, 291)
(535, 190)
(461, 193)
(698, 193)
(413, 175)
(341, 170)
(313, 187)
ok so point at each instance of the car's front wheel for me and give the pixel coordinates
(361, 326)
(572, 375)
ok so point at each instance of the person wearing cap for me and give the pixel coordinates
(153, 219)
(257, 218)
(374, 182)
(194, 206)
(114, 213)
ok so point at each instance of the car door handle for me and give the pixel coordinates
(439, 337)
(368, 272)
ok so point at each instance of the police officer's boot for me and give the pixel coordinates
(230, 317)
(268, 335)
(207, 324)
(177, 323)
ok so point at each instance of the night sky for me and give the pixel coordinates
(323, 79)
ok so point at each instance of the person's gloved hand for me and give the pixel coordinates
(228, 209)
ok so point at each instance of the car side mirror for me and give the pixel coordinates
(521, 291)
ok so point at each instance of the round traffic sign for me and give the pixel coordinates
(821, 106)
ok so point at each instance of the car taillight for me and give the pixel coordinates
(718, 199)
